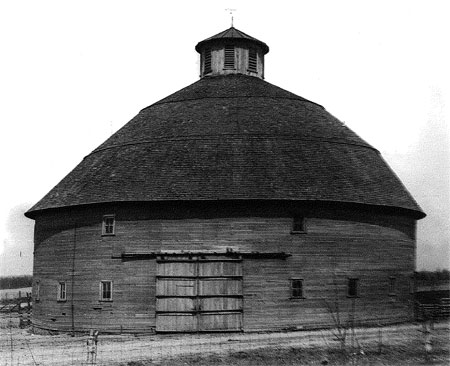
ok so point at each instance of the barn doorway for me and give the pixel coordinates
(199, 294)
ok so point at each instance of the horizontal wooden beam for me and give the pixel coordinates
(199, 277)
(203, 312)
(192, 259)
(266, 255)
(197, 296)
(200, 256)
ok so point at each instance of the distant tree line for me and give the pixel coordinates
(12, 282)
(433, 276)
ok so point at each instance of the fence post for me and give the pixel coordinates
(426, 329)
(380, 339)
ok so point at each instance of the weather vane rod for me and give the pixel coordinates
(231, 13)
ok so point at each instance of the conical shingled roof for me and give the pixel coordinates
(232, 137)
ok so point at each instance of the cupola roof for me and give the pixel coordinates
(231, 34)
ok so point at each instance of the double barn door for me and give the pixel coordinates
(198, 294)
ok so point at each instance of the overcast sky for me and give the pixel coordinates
(74, 72)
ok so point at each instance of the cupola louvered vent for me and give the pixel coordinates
(252, 60)
(229, 57)
(207, 61)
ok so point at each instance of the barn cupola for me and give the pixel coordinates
(232, 52)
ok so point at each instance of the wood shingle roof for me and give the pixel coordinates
(234, 35)
(232, 137)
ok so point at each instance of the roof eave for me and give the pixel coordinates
(205, 43)
(416, 214)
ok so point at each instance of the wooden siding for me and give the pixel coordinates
(338, 244)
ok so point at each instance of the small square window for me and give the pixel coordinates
(352, 290)
(392, 286)
(298, 225)
(62, 293)
(106, 291)
(296, 288)
(108, 226)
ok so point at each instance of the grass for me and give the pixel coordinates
(409, 353)
(309, 357)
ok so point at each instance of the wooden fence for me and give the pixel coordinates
(21, 305)
(433, 311)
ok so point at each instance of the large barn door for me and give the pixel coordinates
(198, 294)
(220, 294)
(176, 289)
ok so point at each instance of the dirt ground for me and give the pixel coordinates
(394, 345)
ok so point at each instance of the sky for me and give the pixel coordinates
(74, 72)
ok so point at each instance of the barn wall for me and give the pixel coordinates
(62, 247)
(338, 244)
(331, 252)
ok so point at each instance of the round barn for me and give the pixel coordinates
(230, 205)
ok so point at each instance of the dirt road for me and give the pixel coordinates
(20, 347)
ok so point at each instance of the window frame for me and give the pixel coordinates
(105, 225)
(105, 299)
(295, 227)
(61, 294)
(292, 288)
(37, 291)
(412, 285)
(355, 281)
(392, 290)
